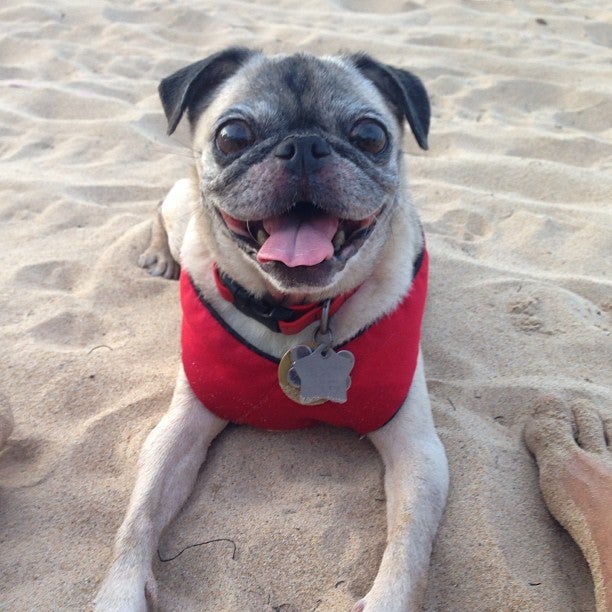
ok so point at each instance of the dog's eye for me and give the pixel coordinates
(233, 137)
(369, 136)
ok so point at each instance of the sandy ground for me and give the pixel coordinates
(515, 195)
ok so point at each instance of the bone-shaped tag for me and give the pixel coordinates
(320, 374)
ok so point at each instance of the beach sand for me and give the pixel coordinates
(515, 196)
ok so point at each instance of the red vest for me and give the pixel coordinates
(239, 383)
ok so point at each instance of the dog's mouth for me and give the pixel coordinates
(303, 236)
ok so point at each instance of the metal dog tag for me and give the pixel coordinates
(292, 389)
(314, 375)
(317, 375)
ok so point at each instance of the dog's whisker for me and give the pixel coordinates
(248, 227)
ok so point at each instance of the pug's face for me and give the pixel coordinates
(299, 166)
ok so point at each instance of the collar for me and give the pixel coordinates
(282, 319)
(287, 320)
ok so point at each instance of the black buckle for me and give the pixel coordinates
(263, 311)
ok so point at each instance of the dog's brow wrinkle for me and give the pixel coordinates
(297, 77)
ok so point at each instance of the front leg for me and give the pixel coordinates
(168, 467)
(162, 256)
(157, 258)
(416, 486)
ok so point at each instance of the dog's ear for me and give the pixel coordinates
(402, 90)
(197, 82)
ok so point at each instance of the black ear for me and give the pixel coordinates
(402, 90)
(196, 82)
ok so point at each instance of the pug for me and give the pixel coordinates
(303, 274)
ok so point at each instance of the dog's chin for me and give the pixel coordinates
(318, 272)
(303, 279)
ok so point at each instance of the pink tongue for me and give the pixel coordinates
(298, 242)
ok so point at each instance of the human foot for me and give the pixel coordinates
(574, 457)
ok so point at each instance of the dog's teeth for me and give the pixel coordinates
(262, 235)
(339, 239)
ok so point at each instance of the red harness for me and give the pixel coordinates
(239, 383)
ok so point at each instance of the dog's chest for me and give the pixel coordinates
(240, 383)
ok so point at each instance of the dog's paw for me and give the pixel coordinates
(374, 603)
(159, 262)
(126, 591)
(359, 606)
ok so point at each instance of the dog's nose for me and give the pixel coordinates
(303, 154)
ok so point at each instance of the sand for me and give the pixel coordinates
(515, 196)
